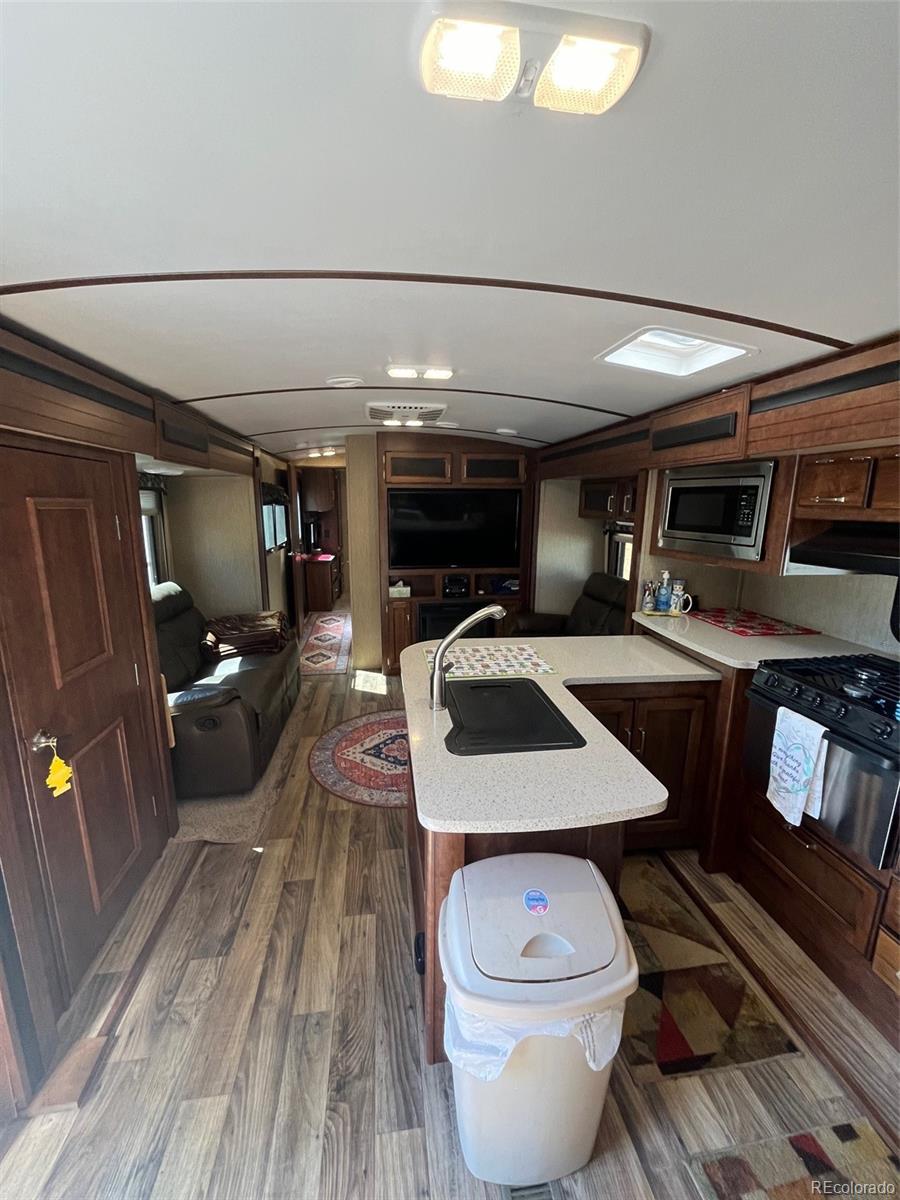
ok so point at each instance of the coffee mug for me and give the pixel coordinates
(682, 602)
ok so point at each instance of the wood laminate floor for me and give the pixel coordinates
(271, 1046)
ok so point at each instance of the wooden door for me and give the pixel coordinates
(597, 498)
(616, 715)
(72, 625)
(401, 627)
(886, 488)
(666, 738)
(837, 479)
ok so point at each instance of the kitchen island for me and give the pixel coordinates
(577, 801)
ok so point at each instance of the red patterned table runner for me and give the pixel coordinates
(749, 624)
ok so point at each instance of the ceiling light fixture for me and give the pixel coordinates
(394, 421)
(470, 60)
(402, 372)
(672, 352)
(329, 452)
(565, 61)
(448, 424)
(439, 373)
(314, 454)
(344, 381)
(414, 423)
(509, 432)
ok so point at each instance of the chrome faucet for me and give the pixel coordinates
(439, 670)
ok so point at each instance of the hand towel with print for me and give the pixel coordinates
(797, 766)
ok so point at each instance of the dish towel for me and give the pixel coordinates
(797, 766)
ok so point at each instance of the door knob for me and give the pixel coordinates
(42, 740)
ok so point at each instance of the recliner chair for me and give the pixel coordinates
(227, 715)
(600, 609)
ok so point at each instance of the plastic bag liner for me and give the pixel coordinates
(481, 1046)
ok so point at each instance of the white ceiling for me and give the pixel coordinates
(753, 169)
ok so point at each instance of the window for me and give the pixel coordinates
(275, 526)
(152, 536)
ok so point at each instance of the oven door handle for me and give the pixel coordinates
(879, 762)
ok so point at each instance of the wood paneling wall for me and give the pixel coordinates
(362, 520)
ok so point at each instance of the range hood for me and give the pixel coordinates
(866, 547)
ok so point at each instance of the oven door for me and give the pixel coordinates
(860, 793)
(722, 513)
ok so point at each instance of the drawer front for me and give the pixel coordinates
(891, 916)
(886, 488)
(825, 895)
(886, 959)
(830, 480)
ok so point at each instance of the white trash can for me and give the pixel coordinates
(538, 968)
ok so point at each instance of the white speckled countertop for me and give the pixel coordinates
(744, 653)
(548, 789)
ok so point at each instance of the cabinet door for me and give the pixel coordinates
(616, 715)
(417, 468)
(401, 627)
(317, 490)
(493, 468)
(598, 498)
(666, 738)
(834, 481)
(886, 488)
(626, 491)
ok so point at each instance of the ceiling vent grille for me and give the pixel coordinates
(376, 411)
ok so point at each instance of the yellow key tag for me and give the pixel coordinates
(58, 776)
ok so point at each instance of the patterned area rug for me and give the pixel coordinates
(325, 644)
(692, 1011)
(365, 760)
(830, 1159)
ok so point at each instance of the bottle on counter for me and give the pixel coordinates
(648, 596)
(664, 593)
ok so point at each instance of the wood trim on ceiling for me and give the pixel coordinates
(378, 428)
(521, 285)
(413, 387)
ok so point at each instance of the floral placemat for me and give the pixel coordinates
(475, 662)
(745, 623)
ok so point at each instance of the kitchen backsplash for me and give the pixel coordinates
(854, 607)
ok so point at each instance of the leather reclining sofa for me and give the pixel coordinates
(226, 715)
(600, 609)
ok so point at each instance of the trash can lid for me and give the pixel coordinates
(537, 917)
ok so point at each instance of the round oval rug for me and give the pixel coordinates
(365, 760)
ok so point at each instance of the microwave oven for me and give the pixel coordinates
(717, 510)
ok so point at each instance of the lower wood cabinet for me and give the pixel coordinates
(662, 725)
(323, 583)
(401, 631)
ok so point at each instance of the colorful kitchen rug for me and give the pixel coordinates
(693, 1011)
(325, 644)
(848, 1160)
(365, 760)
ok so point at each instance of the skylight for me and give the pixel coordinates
(670, 352)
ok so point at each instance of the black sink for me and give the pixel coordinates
(505, 716)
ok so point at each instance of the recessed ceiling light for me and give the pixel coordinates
(448, 424)
(314, 454)
(510, 432)
(671, 352)
(402, 372)
(586, 75)
(344, 381)
(329, 452)
(392, 421)
(437, 373)
(470, 60)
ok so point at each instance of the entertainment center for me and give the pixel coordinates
(456, 533)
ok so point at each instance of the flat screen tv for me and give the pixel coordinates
(466, 527)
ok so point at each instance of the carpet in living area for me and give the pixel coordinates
(365, 760)
(845, 1159)
(325, 644)
(693, 1011)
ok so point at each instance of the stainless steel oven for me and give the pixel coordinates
(716, 510)
(860, 794)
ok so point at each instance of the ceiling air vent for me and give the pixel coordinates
(404, 411)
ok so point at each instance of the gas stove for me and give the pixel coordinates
(854, 694)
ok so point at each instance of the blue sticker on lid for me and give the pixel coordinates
(536, 901)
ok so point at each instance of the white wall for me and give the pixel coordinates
(277, 562)
(213, 541)
(569, 547)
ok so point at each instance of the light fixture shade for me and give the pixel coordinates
(470, 60)
(415, 423)
(402, 372)
(329, 452)
(314, 454)
(437, 373)
(586, 75)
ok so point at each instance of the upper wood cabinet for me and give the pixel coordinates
(317, 489)
(597, 498)
(626, 499)
(850, 401)
(227, 453)
(408, 467)
(181, 436)
(708, 430)
(492, 468)
(850, 485)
